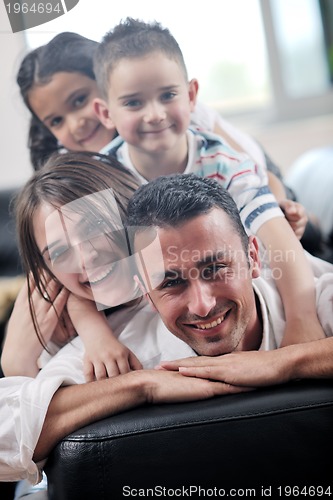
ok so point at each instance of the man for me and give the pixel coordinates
(208, 290)
(204, 293)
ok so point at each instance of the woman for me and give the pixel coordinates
(74, 248)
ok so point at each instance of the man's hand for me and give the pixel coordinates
(242, 368)
(163, 386)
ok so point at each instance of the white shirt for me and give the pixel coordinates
(24, 401)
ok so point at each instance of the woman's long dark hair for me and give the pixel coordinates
(68, 52)
(64, 178)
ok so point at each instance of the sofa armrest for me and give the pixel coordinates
(10, 264)
(266, 438)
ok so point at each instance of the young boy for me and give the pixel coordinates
(142, 76)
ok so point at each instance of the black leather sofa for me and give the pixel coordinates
(10, 267)
(9, 258)
(266, 441)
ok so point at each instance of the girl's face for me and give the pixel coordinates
(65, 106)
(84, 255)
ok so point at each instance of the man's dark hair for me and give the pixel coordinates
(169, 201)
(133, 38)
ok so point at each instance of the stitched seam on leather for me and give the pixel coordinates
(193, 422)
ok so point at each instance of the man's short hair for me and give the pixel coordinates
(133, 38)
(169, 201)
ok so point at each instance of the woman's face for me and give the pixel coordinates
(83, 253)
(65, 106)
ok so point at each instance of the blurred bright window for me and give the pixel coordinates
(300, 37)
(248, 55)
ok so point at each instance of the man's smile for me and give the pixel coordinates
(208, 325)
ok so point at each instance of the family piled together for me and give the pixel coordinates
(163, 258)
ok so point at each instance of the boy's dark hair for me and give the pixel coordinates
(169, 201)
(129, 39)
(68, 52)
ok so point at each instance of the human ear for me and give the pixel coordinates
(102, 111)
(254, 259)
(193, 88)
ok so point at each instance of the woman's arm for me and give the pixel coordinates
(22, 348)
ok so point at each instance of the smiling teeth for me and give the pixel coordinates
(214, 323)
(101, 276)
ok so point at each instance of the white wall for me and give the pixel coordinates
(14, 160)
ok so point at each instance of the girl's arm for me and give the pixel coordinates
(105, 356)
(22, 347)
(294, 279)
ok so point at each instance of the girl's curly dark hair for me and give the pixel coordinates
(68, 52)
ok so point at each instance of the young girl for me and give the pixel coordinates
(60, 74)
(74, 250)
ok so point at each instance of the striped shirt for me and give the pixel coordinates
(209, 156)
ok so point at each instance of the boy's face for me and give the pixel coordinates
(150, 101)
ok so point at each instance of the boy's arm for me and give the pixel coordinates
(291, 270)
(294, 279)
(22, 347)
(105, 356)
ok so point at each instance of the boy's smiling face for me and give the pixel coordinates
(150, 101)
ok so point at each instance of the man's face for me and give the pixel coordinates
(205, 295)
